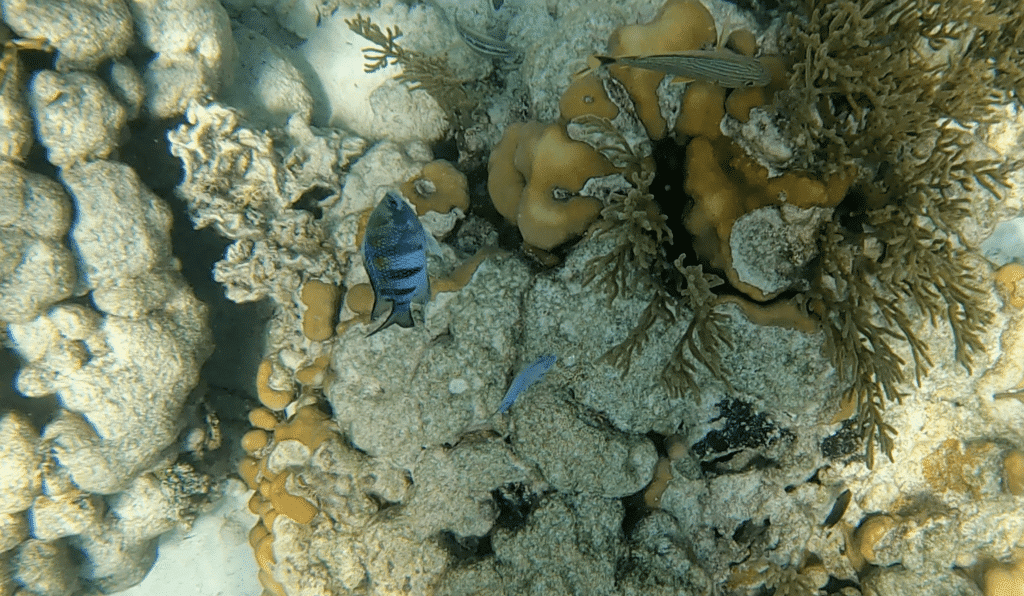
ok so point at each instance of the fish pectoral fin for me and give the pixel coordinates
(679, 79)
(399, 315)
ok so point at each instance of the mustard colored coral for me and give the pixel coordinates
(321, 302)
(439, 187)
(679, 25)
(725, 184)
(275, 399)
(1010, 280)
(535, 174)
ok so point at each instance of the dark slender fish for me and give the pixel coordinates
(394, 254)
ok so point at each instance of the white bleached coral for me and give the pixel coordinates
(84, 33)
(77, 118)
(245, 183)
(149, 361)
(122, 229)
(36, 268)
(19, 461)
(195, 56)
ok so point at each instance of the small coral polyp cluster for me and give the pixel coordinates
(828, 190)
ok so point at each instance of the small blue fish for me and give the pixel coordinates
(530, 375)
(394, 254)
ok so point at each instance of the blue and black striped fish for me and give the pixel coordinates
(394, 254)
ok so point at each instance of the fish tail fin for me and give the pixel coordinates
(400, 314)
(404, 318)
(592, 66)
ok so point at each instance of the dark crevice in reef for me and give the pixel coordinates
(515, 503)
(309, 201)
(237, 328)
(465, 549)
(635, 509)
(481, 206)
(446, 149)
(742, 428)
(667, 189)
(749, 530)
(658, 440)
(835, 585)
(40, 411)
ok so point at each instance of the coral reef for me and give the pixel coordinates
(194, 58)
(747, 301)
(109, 337)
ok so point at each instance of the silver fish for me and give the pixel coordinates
(394, 254)
(529, 375)
(485, 44)
(727, 69)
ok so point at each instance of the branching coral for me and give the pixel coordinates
(703, 335)
(635, 218)
(884, 100)
(885, 89)
(866, 294)
(430, 73)
(888, 93)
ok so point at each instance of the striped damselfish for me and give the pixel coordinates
(394, 254)
(530, 375)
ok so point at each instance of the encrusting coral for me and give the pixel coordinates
(1010, 279)
(439, 187)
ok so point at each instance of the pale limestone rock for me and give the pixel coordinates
(36, 267)
(85, 32)
(195, 56)
(77, 118)
(19, 463)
